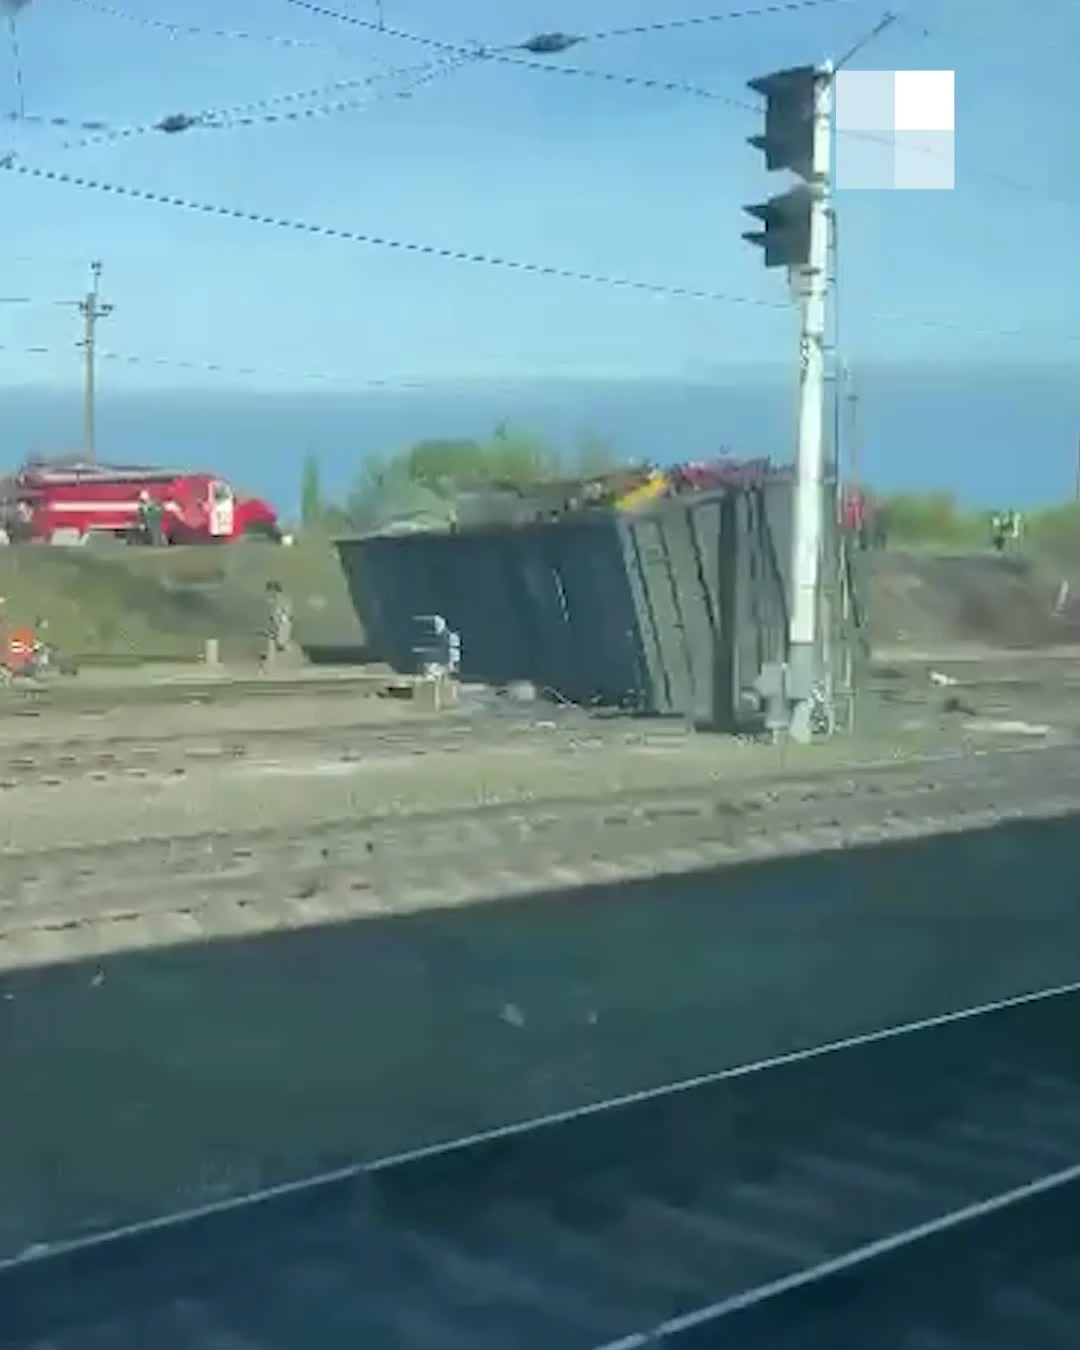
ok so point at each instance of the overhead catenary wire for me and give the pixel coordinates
(516, 55)
(11, 164)
(776, 7)
(367, 383)
(549, 271)
(277, 108)
(175, 29)
(508, 54)
(350, 383)
(377, 24)
(17, 65)
(345, 381)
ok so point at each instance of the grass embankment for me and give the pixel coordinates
(116, 604)
(936, 522)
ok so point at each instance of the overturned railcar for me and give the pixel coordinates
(672, 610)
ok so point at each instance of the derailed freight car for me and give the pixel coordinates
(672, 609)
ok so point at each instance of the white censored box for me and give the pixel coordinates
(895, 129)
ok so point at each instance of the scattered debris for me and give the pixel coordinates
(1006, 727)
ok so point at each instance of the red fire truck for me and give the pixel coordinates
(64, 501)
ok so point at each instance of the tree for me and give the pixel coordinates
(425, 478)
(311, 501)
(593, 456)
(520, 458)
(443, 465)
(931, 518)
(385, 489)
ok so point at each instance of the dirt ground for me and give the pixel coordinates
(142, 1082)
(253, 1037)
(924, 599)
(218, 1057)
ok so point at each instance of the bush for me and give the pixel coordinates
(1056, 531)
(933, 518)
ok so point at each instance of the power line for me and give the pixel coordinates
(705, 20)
(143, 361)
(254, 372)
(181, 30)
(511, 55)
(262, 112)
(552, 272)
(662, 25)
(92, 309)
(516, 54)
(12, 165)
(17, 64)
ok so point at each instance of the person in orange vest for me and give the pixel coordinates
(18, 646)
(20, 649)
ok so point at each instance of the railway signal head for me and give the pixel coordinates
(784, 235)
(788, 140)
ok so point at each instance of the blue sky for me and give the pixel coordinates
(576, 173)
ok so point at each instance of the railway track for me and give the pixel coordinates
(1000, 1275)
(45, 761)
(166, 748)
(728, 1211)
(25, 699)
(72, 903)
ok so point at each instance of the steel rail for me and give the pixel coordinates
(939, 1284)
(591, 1227)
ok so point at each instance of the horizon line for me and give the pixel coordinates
(413, 385)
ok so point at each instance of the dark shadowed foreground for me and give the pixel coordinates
(143, 1082)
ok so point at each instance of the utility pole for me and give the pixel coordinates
(1076, 479)
(798, 137)
(92, 308)
(851, 429)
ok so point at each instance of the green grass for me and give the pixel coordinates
(117, 604)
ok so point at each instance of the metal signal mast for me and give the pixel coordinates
(794, 233)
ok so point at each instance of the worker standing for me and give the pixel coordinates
(279, 623)
(150, 520)
(880, 526)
